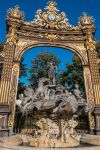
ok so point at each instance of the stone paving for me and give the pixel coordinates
(82, 147)
(9, 147)
(92, 148)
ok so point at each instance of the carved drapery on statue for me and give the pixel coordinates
(51, 28)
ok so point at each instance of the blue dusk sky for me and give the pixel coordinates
(73, 10)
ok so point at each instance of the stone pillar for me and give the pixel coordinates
(96, 87)
(13, 93)
(6, 73)
(92, 57)
(86, 23)
(97, 118)
(89, 95)
(5, 84)
(8, 63)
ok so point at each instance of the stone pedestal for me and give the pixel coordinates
(91, 132)
(97, 119)
(4, 110)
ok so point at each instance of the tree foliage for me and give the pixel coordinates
(1, 47)
(98, 49)
(74, 71)
(73, 74)
(39, 68)
(23, 68)
(22, 73)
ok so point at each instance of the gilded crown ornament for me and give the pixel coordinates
(51, 18)
(85, 20)
(51, 7)
(15, 13)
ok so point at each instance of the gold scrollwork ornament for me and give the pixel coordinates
(12, 36)
(90, 43)
(10, 121)
(92, 121)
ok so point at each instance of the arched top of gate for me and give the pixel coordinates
(50, 18)
(52, 27)
(78, 49)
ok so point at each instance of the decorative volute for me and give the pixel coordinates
(15, 13)
(51, 18)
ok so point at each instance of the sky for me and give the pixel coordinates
(73, 10)
(65, 56)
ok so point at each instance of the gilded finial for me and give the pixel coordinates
(15, 13)
(86, 20)
(52, 4)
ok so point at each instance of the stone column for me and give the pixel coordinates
(13, 93)
(86, 23)
(8, 63)
(89, 95)
(6, 73)
(5, 84)
(96, 86)
(94, 69)
(97, 118)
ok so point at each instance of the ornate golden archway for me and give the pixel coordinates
(49, 28)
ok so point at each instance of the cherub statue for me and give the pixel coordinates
(69, 130)
(64, 24)
(39, 20)
(38, 14)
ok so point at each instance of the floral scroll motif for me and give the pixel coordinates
(15, 73)
(51, 18)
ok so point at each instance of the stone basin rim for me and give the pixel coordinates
(10, 147)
